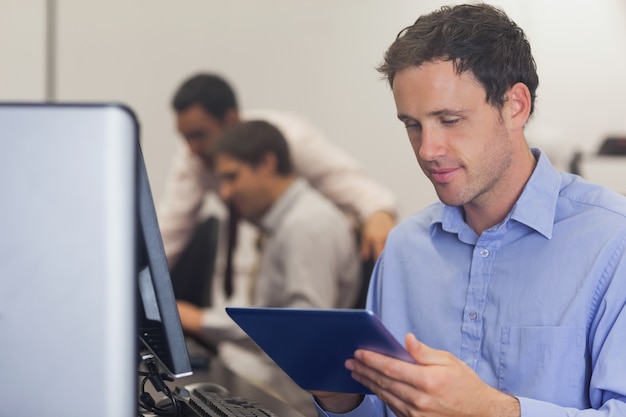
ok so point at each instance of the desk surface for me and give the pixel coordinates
(218, 373)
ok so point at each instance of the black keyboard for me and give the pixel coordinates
(209, 403)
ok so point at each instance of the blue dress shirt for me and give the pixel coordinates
(535, 305)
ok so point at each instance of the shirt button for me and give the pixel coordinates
(484, 253)
(473, 315)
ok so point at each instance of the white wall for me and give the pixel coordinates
(22, 50)
(313, 56)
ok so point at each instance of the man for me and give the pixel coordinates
(205, 105)
(309, 257)
(511, 291)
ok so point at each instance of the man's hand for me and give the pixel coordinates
(374, 234)
(439, 384)
(190, 317)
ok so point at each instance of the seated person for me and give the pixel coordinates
(309, 257)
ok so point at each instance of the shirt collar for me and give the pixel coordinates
(535, 207)
(271, 220)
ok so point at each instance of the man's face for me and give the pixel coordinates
(459, 140)
(243, 185)
(200, 130)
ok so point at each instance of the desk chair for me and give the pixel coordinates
(366, 274)
(192, 278)
(193, 273)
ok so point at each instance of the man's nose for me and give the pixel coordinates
(432, 144)
(225, 191)
(194, 146)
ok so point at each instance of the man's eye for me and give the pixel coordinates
(196, 136)
(229, 177)
(450, 121)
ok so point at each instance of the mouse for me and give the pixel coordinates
(205, 386)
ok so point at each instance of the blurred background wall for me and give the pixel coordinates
(316, 57)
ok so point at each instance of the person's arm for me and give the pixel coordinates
(337, 403)
(185, 190)
(211, 325)
(341, 179)
(438, 384)
(374, 234)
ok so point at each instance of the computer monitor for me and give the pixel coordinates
(159, 325)
(84, 285)
(68, 338)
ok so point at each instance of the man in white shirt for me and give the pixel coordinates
(308, 259)
(205, 106)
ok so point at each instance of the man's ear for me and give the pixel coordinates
(518, 105)
(268, 164)
(231, 117)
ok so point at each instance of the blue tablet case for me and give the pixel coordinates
(312, 345)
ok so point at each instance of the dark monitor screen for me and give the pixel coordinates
(159, 324)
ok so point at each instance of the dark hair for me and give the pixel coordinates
(250, 141)
(477, 38)
(210, 91)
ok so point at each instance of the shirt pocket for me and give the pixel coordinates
(544, 362)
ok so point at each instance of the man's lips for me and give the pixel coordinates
(443, 175)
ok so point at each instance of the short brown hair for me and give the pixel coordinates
(478, 38)
(250, 141)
